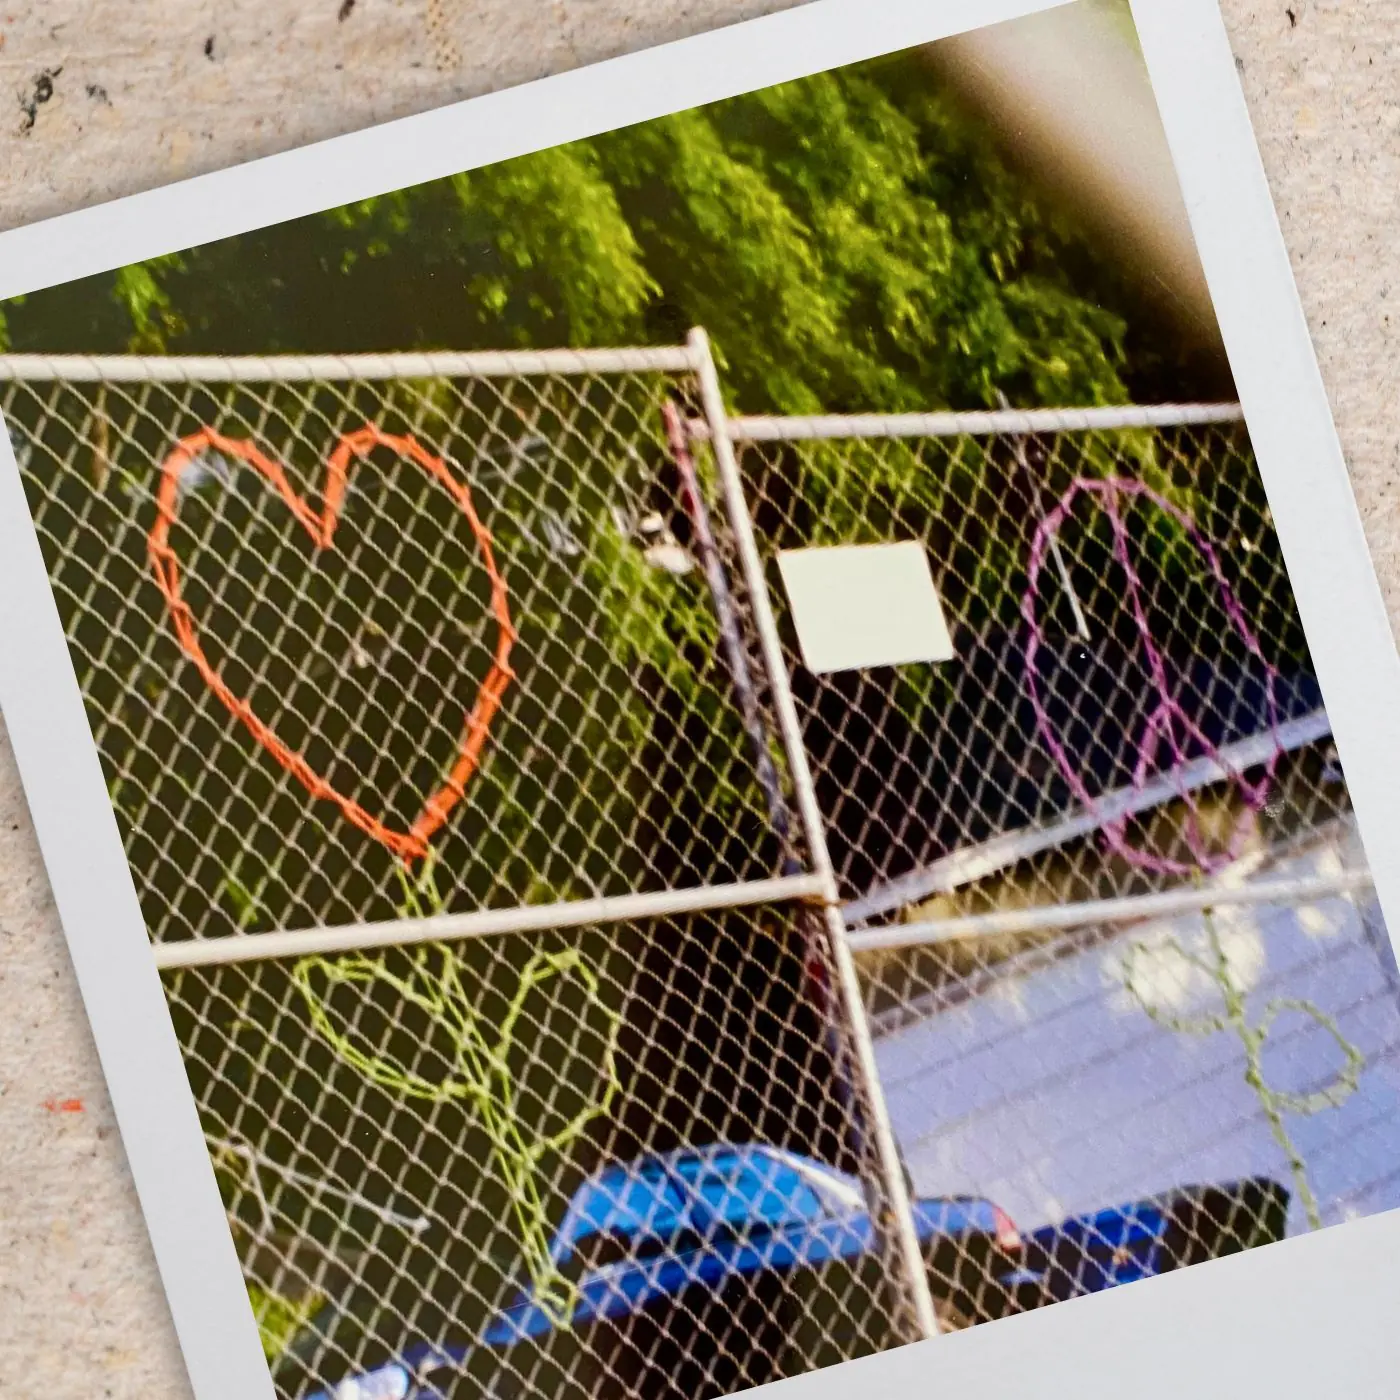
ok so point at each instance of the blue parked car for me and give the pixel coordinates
(1102, 1249)
(706, 1271)
(698, 1272)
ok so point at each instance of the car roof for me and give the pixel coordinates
(622, 1189)
(654, 1165)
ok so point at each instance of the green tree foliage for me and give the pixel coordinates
(850, 240)
(140, 291)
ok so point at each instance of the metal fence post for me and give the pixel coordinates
(904, 1234)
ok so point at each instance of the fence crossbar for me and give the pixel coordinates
(981, 423)
(291, 369)
(529, 918)
(977, 862)
(1128, 909)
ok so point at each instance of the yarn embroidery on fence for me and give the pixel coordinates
(1168, 722)
(479, 1074)
(408, 845)
(1214, 964)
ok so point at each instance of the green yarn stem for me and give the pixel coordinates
(479, 1073)
(1253, 1037)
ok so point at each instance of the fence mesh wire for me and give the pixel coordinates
(940, 787)
(1061, 1072)
(370, 1161)
(1131, 713)
(636, 1158)
(611, 765)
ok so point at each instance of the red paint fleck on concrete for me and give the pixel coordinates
(63, 1105)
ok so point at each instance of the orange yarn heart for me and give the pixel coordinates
(407, 845)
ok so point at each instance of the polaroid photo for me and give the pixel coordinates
(709, 717)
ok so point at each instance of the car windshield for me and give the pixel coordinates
(750, 1189)
(600, 1249)
(843, 1194)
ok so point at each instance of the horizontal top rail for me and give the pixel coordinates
(289, 369)
(989, 423)
(504, 364)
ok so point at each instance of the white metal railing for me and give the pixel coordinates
(906, 1239)
(992, 422)
(977, 862)
(525, 918)
(296, 369)
(1129, 908)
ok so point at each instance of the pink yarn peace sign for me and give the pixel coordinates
(1168, 723)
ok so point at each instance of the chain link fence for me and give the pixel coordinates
(583, 998)
(1122, 963)
(946, 785)
(368, 654)
(396, 1173)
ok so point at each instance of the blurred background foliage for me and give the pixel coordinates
(855, 239)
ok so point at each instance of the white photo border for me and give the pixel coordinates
(1308, 1316)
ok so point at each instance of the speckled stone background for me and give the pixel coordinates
(100, 98)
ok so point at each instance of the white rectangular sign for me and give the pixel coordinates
(857, 606)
